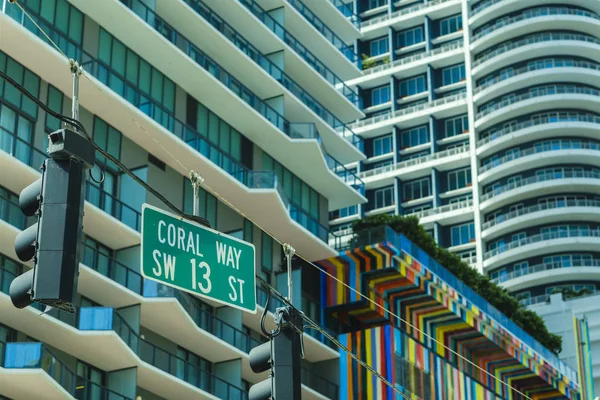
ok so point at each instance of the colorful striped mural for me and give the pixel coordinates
(584, 357)
(408, 299)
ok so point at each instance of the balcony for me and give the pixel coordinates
(313, 60)
(537, 67)
(529, 14)
(450, 53)
(566, 267)
(526, 41)
(36, 356)
(540, 237)
(549, 90)
(445, 215)
(545, 298)
(372, 127)
(347, 10)
(330, 114)
(545, 177)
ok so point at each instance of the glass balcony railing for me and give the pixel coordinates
(550, 205)
(29, 155)
(188, 372)
(404, 11)
(35, 355)
(318, 383)
(542, 177)
(112, 269)
(203, 319)
(265, 63)
(448, 47)
(320, 26)
(301, 50)
(546, 267)
(536, 66)
(534, 93)
(221, 74)
(531, 39)
(347, 10)
(539, 119)
(409, 110)
(482, 5)
(461, 205)
(554, 145)
(415, 161)
(528, 14)
(563, 233)
(544, 298)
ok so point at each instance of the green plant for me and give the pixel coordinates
(569, 293)
(367, 63)
(497, 296)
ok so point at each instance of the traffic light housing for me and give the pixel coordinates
(54, 241)
(281, 356)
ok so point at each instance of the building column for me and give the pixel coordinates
(398, 194)
(392, 43)
(430, 83)
(436, 233)
(395, 144)
(427, 33)
(435, 186)
(394, 92)
(433, 137)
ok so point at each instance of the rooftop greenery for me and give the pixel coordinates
(507, 304)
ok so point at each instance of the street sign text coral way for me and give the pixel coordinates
(198, 260)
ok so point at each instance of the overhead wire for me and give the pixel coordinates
(229, 204)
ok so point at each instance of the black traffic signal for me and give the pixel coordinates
(281, 356)
(54, 241)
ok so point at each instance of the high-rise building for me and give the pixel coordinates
(481, 120)
(248, 93)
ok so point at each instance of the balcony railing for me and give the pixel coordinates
(35, 355)
(330, 35)
(409, 110)
(415, 161)
(265, 63)
(536, 66)
(540, 119)
(442, 209)
(565, 233)
(540, 207)
(546, 267)
(531, 39)
(537, 92)
(555, 145)
(280, 31)
(347, 11)
(318, 383)
(404, 11)
(29, 155)
(531, 13)
(416, 57)
(220, 73)
(546, 176)
(477, 8)
(113, 269)
(544, 298)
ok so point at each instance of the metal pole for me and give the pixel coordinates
(289, 252)
(196, 181)
(75, 71)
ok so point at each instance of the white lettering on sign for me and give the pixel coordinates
(177, 237)
(226, 254)
(168, 262)
(204, 288)
(233, 296)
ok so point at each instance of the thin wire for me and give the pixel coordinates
(39, 28)
(226, 202)
(314, 325)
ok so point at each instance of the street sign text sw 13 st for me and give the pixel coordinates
(196, 259)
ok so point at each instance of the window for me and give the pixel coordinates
(414, 137)
(382, 145)
(380, 95)
(16, 135)
(54, 100)
(97, 256)
(266, 255)
(90, 381)
(384, 197)
(10, 267)
(518, 237)
(378, 46)
(462, 234)
(208, 203)
(453, 74)
(218, 132)
(189, 366)
(24, 77)
(416, 189)
(376, 3)
(410, 36)
(409, 87)
(456, 126)
(450, 24)
(459, 179)
(138, 72)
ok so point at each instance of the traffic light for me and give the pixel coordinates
(281, 356)
(54, 241)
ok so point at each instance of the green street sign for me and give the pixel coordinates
(198, 260)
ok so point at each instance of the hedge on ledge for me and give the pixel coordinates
(494, 294)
